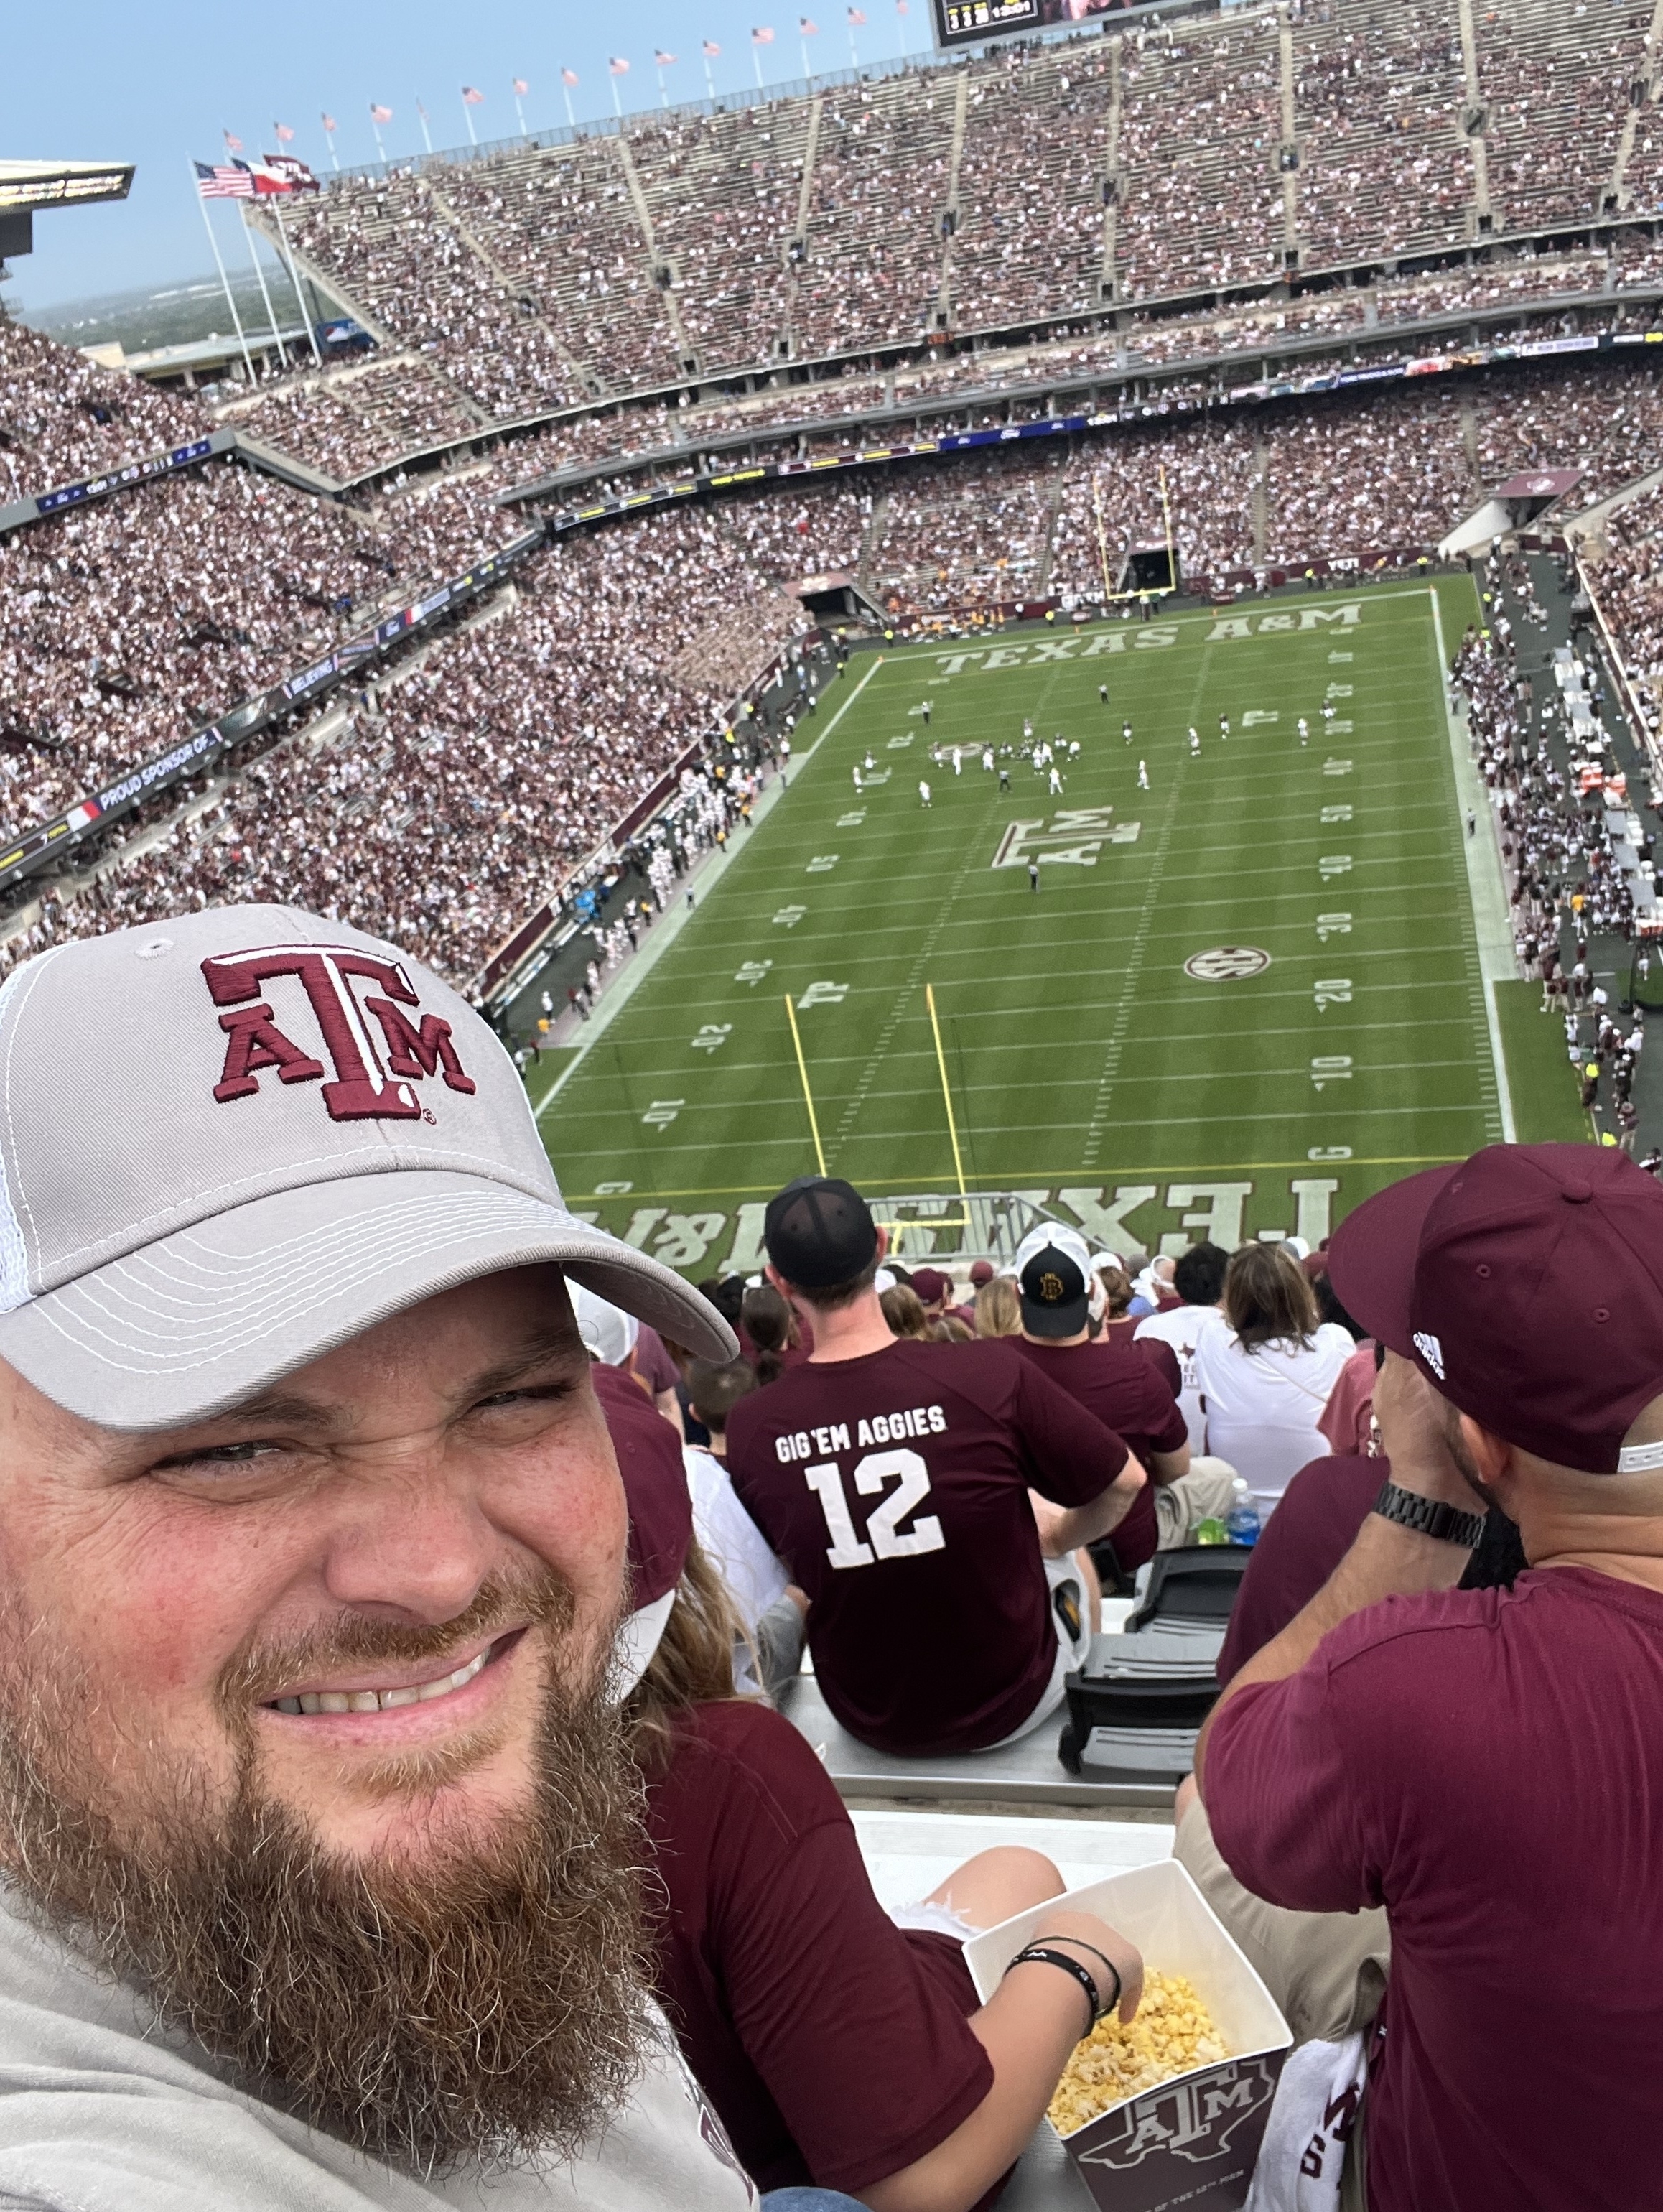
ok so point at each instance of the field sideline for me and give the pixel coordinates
(1341, 1035)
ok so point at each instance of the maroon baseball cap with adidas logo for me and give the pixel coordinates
(1526, 1285)
(232, 1141)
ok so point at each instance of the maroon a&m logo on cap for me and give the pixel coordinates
(367, 1061)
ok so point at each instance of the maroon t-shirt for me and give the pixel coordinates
(653, 1362)
(1128, 1393)
(1487, 1765)
(1303, 1541)
(835, 2046)
(895, 1487)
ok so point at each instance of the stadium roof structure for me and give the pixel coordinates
(27, 186)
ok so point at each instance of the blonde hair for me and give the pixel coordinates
(998, 1309)
(903, 1310)
(693, 1664)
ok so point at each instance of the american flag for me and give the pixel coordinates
(285, 135)
(857, 16)
(568, 77)
(712, 48)
(231, 180)
(233, 143)
(330, 125)
(807, 28)
(380, 114)
(618, 66)
(472, 97)
(764, 37)
(663, 59)
(521, 87)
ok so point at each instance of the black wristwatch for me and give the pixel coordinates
(1429, 1516)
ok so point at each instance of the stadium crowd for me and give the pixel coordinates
(127, 623)
(62, 420)
(457, 798)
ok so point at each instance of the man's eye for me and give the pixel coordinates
(213, 1456)
(538, 1395)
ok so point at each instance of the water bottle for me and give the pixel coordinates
(1242, 1522)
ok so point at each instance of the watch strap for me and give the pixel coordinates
(1429, 1516)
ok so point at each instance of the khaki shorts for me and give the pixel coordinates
(1326, 1971)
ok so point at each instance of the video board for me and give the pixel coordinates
(970, 22)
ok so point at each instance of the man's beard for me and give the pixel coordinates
(483, 2002)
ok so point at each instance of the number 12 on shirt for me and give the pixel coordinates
(886, 1538)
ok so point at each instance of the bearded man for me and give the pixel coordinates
(319, 1843)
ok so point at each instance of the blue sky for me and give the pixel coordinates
(110, 79)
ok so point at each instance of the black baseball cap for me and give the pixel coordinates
(1054, 1298)
(818, 1231)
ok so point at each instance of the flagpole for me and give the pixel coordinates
(381, 150)
(617, 105)
(225, 282)
(808, 74)
(710, 82)
(422, 118)
(520, 112)
(900, 27)
(259, 271)
(468, 118)
(294, 279)
(756, 56)
(855, 58)
(334, 158)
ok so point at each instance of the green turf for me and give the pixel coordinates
(1080, 1057)
(1543, 1078)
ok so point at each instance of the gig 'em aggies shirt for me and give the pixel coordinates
(1488, 1765)
(895, 1487)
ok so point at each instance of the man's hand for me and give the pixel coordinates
(1416, 1431)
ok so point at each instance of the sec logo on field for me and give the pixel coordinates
(1227, 963)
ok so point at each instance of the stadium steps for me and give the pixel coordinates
(1647, 87)
(1110, 184)
(950, 220)
(511, 286)
(1284, 39)
(643, 217)
(1053, 507)
(1474, 109)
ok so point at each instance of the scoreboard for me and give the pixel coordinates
(968, 22)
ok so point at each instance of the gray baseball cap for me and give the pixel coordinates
(232, 1141)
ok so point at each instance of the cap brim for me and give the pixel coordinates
(194, 1324)
(1371, 1256)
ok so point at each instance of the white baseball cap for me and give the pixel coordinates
(232, 1141)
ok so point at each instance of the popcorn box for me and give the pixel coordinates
(1193, 2142)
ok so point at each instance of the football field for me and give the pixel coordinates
(1241, 997)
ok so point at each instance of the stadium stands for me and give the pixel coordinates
(62, 420)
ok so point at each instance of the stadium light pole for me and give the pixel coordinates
(288, 255)
(260, 273)
(219, 264)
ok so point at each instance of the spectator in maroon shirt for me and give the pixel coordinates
(1123, 1389)
(892, 1479)
(1478, 1771)
(842, 2047)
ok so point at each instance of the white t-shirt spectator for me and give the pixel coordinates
(1180, 1327)
(1263, 1406)
(730, 1539)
